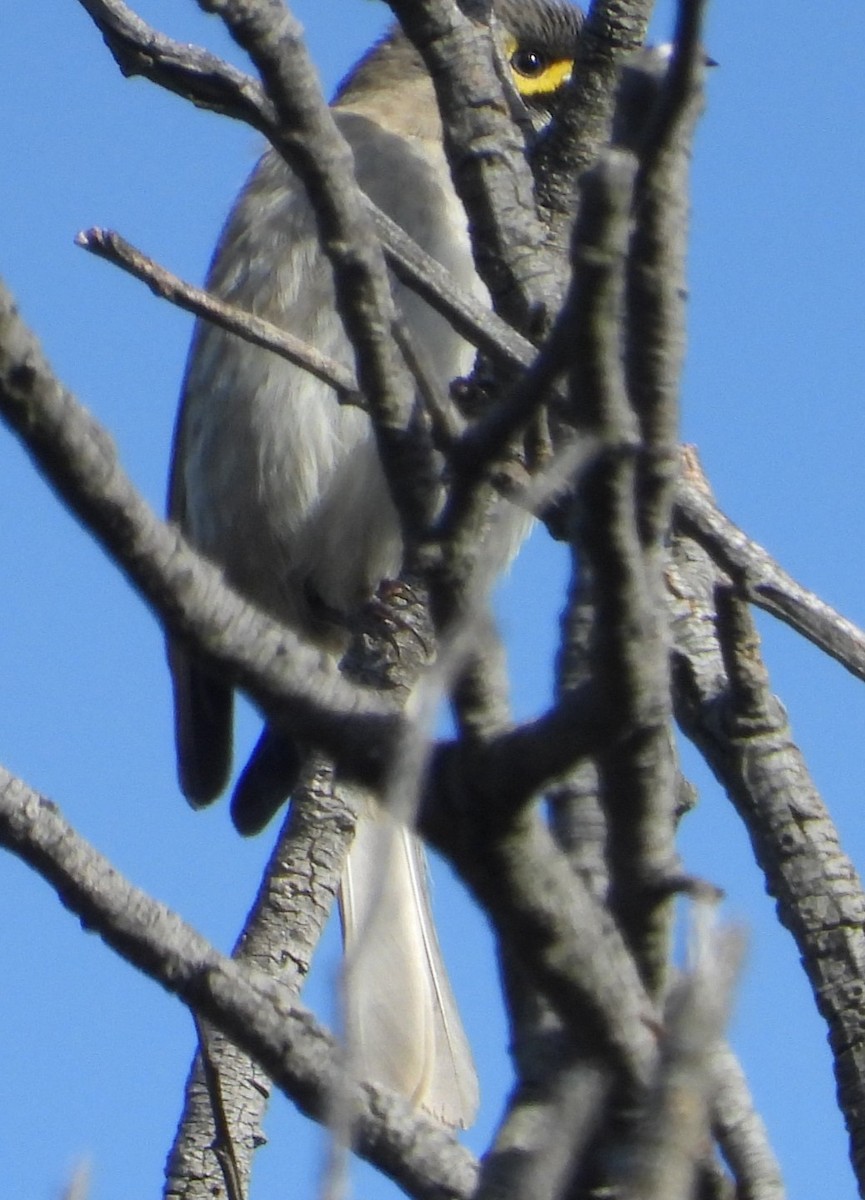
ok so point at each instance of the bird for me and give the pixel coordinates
(280, 485)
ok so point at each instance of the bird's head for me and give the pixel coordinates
(537, 41)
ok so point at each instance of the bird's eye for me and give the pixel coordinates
(529, 63)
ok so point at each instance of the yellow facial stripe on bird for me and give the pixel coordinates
(534, 71)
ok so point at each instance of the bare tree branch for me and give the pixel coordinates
(672, 1137)
(758, 577)
(189, 71)
(724, 704)
(530, 1156)
(612, 29)
(279, 937)
(253, 1009)
(657, 284)
(630, 667)
(639, 788)
(565, 939)
(223, 1142)
(187, 592)
(741, 1134)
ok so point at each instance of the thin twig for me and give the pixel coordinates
(741, 1133)
(758, 577)
(78, 1187)
(469, 316)
(223, 1142)
(107, 244)
(639, 786)
(416, 268)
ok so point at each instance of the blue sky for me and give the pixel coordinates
(92, 1056)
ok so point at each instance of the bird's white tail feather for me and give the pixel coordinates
(401, 1016)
